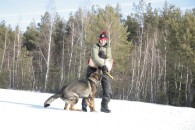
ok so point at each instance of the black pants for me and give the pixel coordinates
(106, 89)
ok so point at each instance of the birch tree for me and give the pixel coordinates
(46, 30)
(4, 48)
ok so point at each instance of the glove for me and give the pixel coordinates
(101, 54)
(104, 69)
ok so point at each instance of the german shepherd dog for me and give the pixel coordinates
(71, 93)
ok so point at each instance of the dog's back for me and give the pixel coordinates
(80, 87)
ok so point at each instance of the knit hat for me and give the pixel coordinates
(104, 36)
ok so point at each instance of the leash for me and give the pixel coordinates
(110, 75)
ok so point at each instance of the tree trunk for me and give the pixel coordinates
(48, 59)
(71, 54)
(62, 66)
(4, 49)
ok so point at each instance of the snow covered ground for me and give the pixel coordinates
(23, 110)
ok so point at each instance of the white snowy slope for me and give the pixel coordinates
(23, 110)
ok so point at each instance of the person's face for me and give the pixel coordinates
(103, 42)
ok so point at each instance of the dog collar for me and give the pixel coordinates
(93, 80)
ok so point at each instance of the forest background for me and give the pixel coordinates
(153, 51)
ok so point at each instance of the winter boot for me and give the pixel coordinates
(104, 107)
(84, 105)
(106, 110)
(84, 109)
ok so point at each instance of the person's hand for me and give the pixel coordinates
(101, 54)
(104, 69)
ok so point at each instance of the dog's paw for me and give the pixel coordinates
(46, 105)
(93, 110)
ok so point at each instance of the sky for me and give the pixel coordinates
(23, 110)
(23, 12)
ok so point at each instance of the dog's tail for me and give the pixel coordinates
(54, 97)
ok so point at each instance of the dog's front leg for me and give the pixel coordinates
(92, 104)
